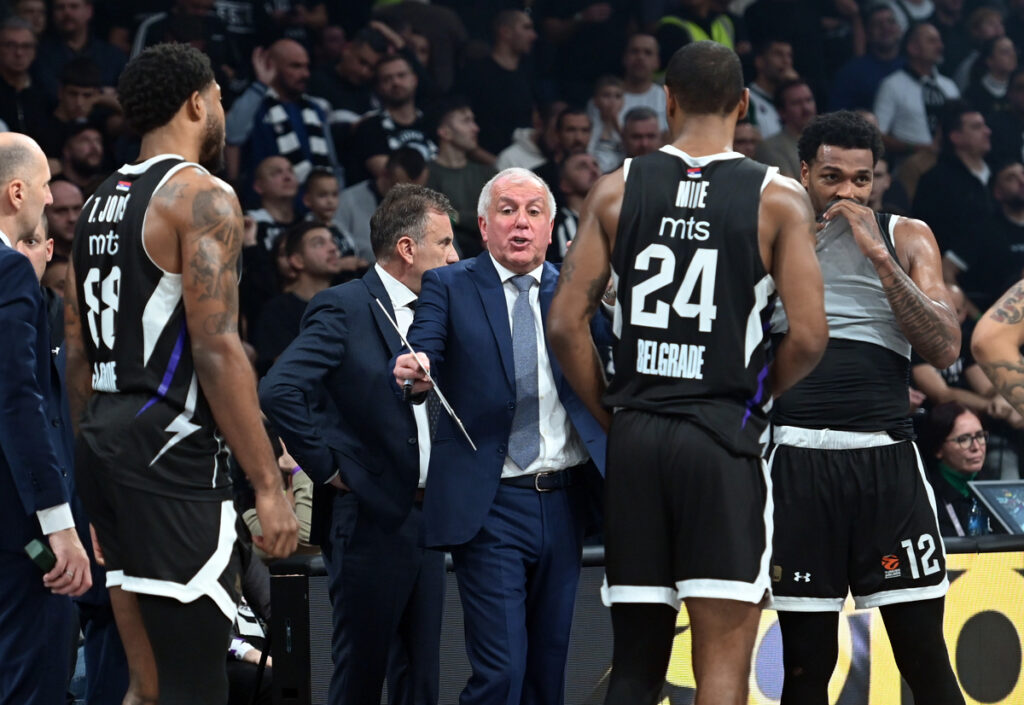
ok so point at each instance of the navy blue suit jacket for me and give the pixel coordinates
(360, 427)
(462, 326)
(34, 461)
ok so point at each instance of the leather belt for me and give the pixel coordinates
(546, 481)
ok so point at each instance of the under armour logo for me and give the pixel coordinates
(801, 577)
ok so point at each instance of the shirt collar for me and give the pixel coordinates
(4, 239)
(504, 273)
(399, 293)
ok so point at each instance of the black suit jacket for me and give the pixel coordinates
(330, 397)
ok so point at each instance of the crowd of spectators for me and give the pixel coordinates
(330, 104)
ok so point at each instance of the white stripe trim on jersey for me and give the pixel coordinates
(828, 439)
(755, 334)
(205, 582)
(639, 594)
(170, 172)
(625, 168)
(806, 604)
(699, 161)
(158, 311)
(770, 174)
(141, 167)
(893, 220)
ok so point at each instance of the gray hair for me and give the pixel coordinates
(640, 112)
(403, 212)
(515, 175)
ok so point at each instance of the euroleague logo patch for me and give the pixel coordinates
(891, 566)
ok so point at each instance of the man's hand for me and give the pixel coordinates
(277, 520)
(70, 576)
(407, 368)
(337, 483)
(96, 550)
(263, 67)
(864, 227)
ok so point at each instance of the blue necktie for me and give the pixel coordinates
(524, 440)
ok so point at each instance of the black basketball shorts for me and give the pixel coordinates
(155, 544)
(683, 517)
(853, 513)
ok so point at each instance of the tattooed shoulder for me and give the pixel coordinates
(1010, 309)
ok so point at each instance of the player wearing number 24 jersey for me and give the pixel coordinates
(697, 240)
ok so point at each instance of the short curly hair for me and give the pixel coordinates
(156, 83)
(843, 128)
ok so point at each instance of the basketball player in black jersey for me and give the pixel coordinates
(698, 239)
(853, 510)
(156, 373)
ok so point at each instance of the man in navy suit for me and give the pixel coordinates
(35, 490)
(513, 511)
(367, 451)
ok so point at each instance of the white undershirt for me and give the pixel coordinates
(560, 445)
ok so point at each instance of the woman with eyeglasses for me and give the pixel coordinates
(954, 443)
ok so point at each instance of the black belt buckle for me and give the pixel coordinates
(536, 482)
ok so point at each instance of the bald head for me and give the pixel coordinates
(24, 184)
(291, 63)
(17, 152)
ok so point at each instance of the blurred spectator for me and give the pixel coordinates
(953, 198)
(348, 84)
(314, 257)
(62, 214)
(455, 175)
(909, 100)
(82, 157)
(948, 18)
(640, 133)
(528, 148)
(1015, 21)
(577, 175)
(500, 85)
(887, 196)
(439, 26)
(72, 38)
(990, 76)
(692, 21)
(23, 104)
(996, 259)
(586, 40)
(277, 185)
(1008, 125)
(573, 130)
(330, 45)
(606, 135)
(357, 203)
(747, 138)
(247, 23)
(773, 64)
(195, 23)
(275, 116)
(955, 443)
(799, 23)
(795, 103)
(33, 12)
(321, 198)
(56, 274)
(641, 61)
(910, 12)
(856, 82)
(79, 99)
(298, 20)
(399, 123)
(984, 23)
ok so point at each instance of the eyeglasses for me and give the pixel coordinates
(965, 440)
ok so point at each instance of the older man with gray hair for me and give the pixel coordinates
(512, 509)
(35, 466)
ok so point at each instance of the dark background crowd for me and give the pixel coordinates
(329, 105)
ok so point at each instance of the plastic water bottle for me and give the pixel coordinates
(976, 519)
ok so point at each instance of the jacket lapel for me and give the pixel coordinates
(492, 294)
(377, 291)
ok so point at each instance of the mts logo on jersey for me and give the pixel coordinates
(692, 194)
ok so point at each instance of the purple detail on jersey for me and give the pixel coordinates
(758, 396)
(172, 366)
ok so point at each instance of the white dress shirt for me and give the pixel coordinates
(560, 445)
(401, 296)
(58, 517)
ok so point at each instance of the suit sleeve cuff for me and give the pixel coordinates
(54, 519)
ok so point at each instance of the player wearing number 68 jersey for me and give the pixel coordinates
(853, 510)
(697, 240)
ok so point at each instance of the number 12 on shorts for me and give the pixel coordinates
(929, 565)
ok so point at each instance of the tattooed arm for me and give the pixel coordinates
(206, 220)
(918, 296)
(996, 345)
(77, 375)
(581, 284)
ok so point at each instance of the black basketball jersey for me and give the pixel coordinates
(694, 298)
(148, 414)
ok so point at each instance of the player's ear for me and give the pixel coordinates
(196, 107)
(744, 104)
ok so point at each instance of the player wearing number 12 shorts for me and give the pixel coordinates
(697, 240)
(853, 510)
(156, 375)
